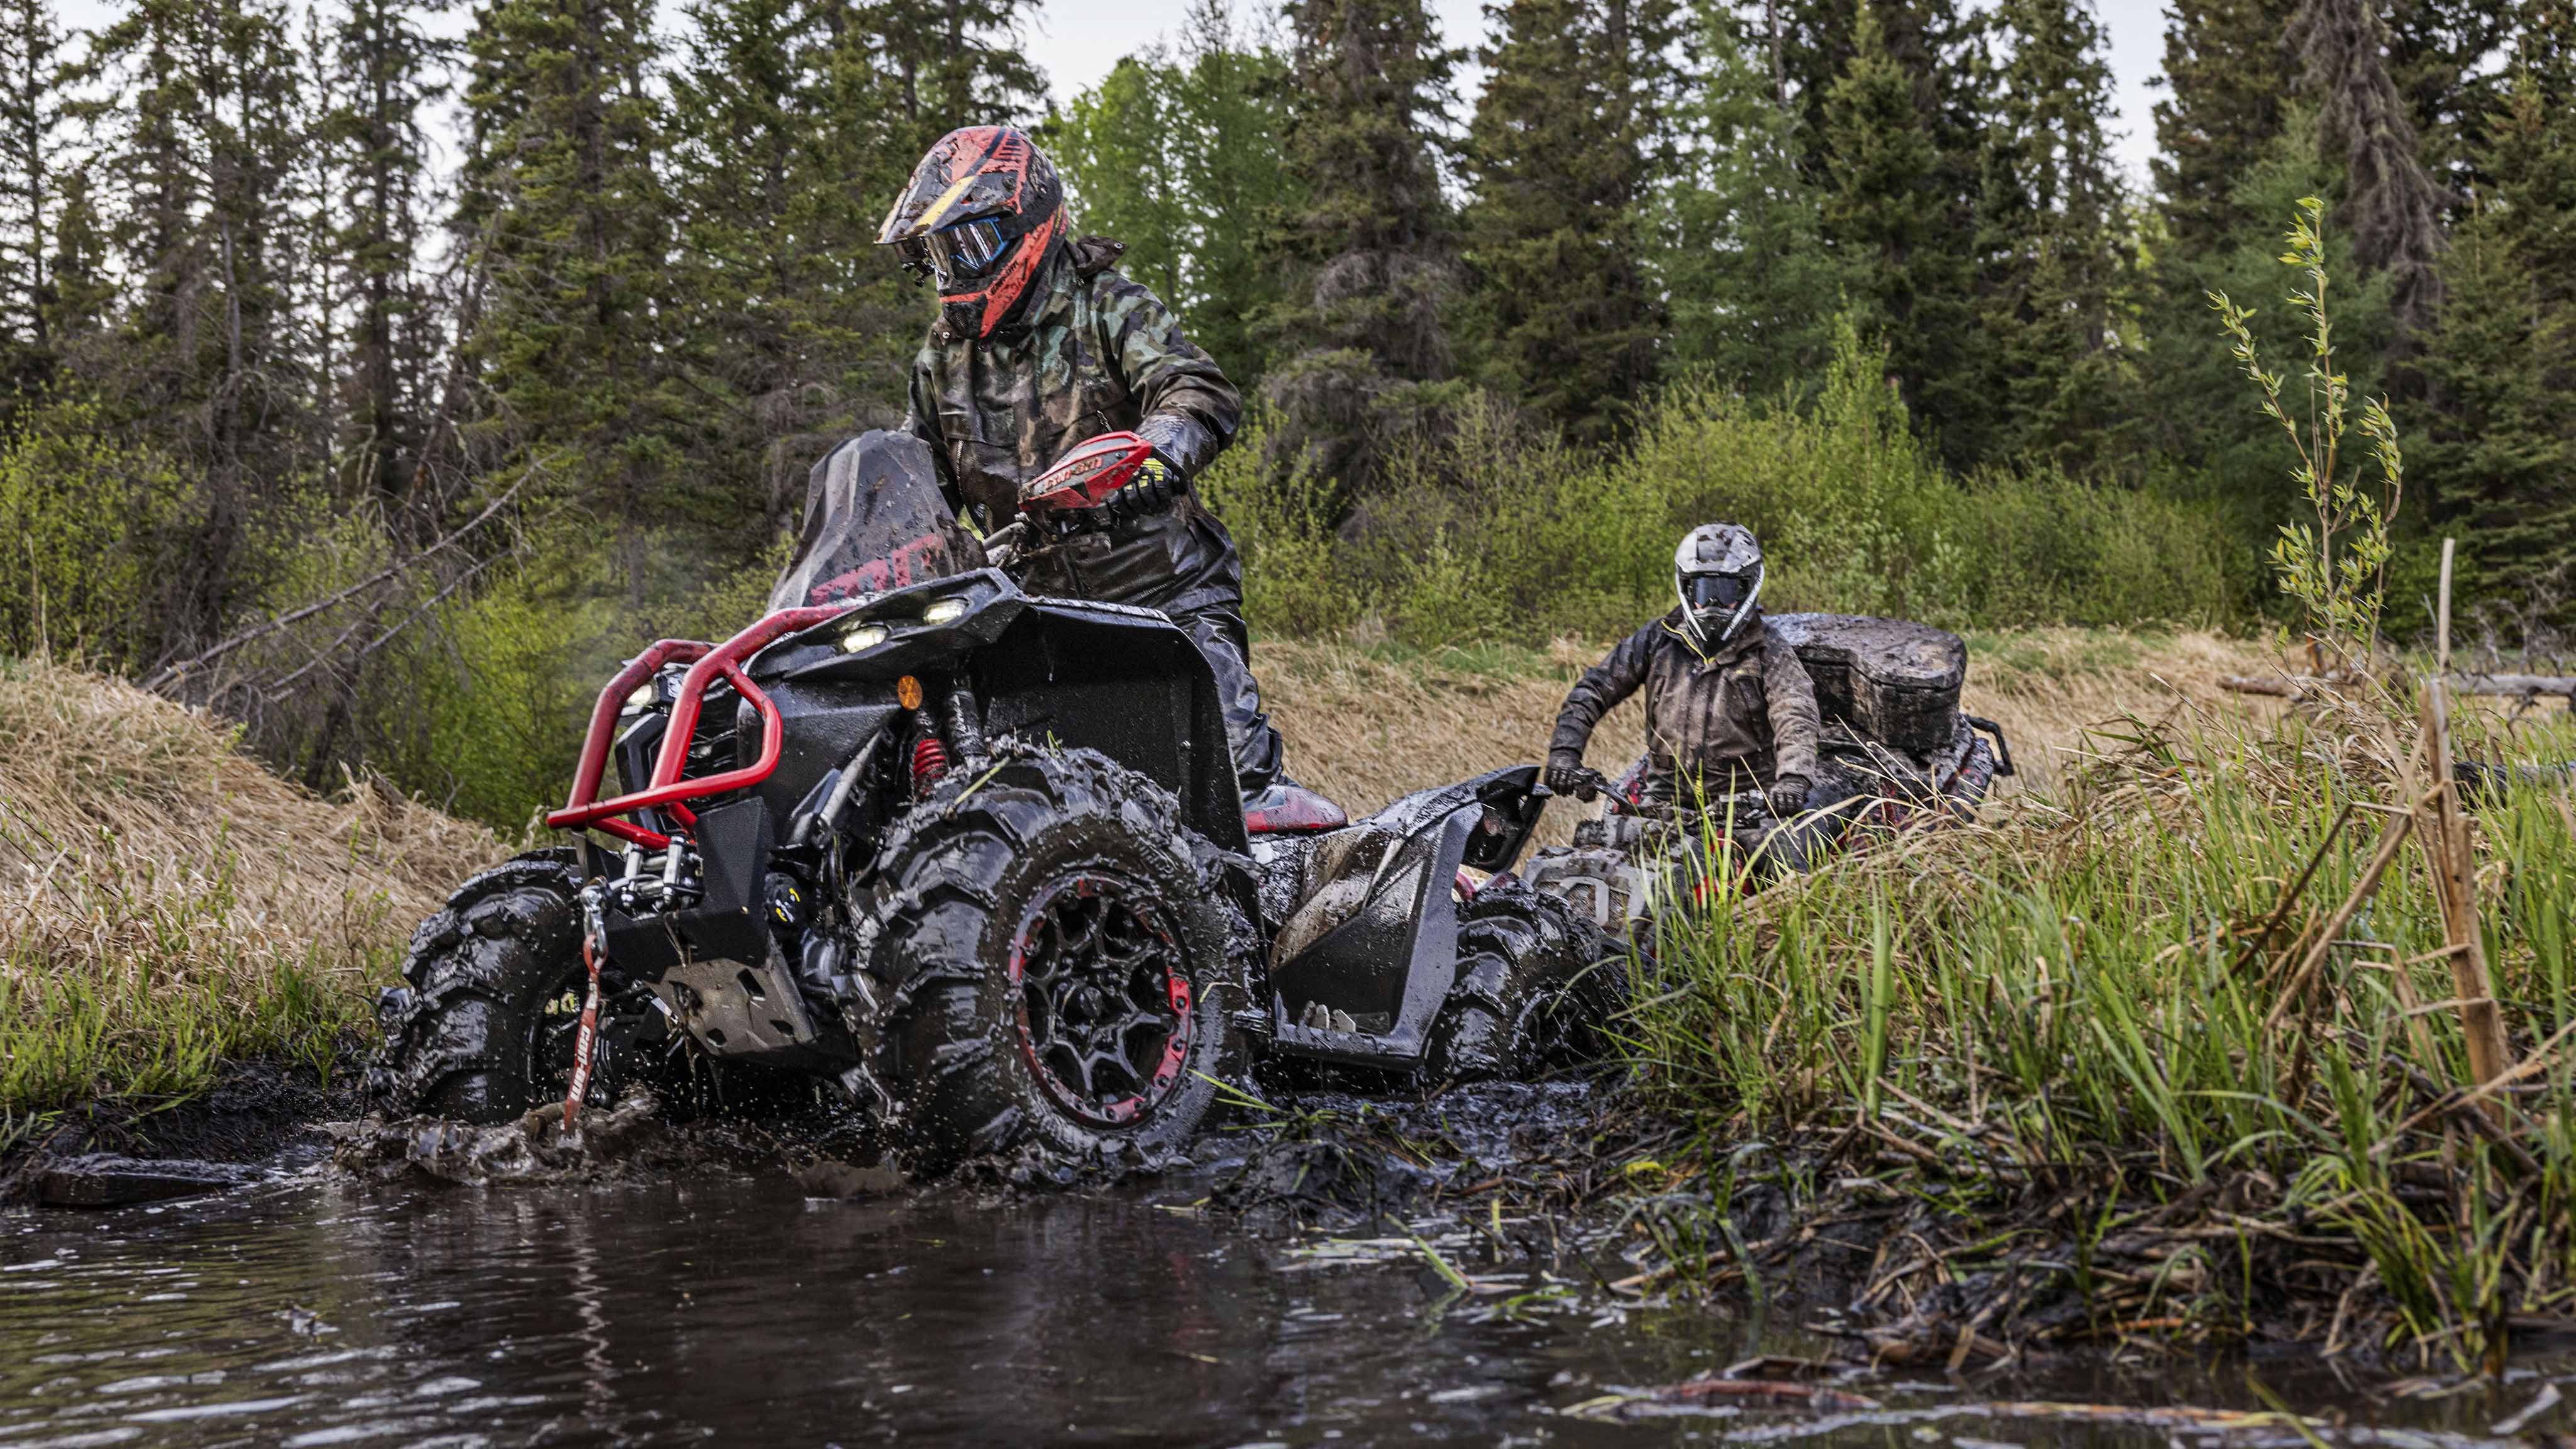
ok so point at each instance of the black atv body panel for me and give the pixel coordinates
(1069, 673)
(1124, 681)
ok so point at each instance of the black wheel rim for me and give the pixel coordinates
(1104, 1019)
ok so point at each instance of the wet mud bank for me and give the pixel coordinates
(1496, 1264)
(105, 1153)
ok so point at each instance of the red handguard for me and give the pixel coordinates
(1086, 477)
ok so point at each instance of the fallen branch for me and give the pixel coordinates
(177, 670)
(2311, 686)
(1769, 1392)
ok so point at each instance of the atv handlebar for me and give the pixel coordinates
(1592, 783)
(706, 664)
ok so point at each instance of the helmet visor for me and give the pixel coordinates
(1716, 592)
(965, 251)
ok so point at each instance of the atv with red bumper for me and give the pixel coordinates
(976, 859)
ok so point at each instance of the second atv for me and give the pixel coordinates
(1897, 753)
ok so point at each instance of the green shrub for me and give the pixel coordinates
(1491, 530)
(86, 528)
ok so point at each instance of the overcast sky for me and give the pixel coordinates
(1081, 39)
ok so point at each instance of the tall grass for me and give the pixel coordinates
(2055, 1036)
(1488, 530)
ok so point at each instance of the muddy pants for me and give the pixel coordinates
(1222, 638)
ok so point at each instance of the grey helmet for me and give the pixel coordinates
(1717, 572)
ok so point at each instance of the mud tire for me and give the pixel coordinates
(971, 870)
(1537, 985)
(469, 1037)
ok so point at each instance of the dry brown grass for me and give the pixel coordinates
(1364, 726)
(166, 902)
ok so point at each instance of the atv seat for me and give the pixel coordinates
(1288, 808)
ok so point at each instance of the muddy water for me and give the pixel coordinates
(309, 1310)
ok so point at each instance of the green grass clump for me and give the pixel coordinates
(2055, 1045)
(184, 992)
(173, 909)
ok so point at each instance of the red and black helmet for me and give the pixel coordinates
(979, 217)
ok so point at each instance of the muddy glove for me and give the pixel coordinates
(1566, 776)
(1156, 485)
(1788, 795)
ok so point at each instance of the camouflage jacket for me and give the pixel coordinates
(1094, 353)
(1742, 714)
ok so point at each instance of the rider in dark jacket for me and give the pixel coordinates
(1729, 708)
(1040, 345)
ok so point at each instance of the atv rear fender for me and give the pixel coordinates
(1377, 944)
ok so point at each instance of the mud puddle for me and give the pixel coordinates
(1358, 1280)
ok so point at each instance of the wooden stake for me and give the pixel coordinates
(2391, 837)
(2450, 854)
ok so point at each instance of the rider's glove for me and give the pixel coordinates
(1789, 795)
(1566, 775)
(1155, 486)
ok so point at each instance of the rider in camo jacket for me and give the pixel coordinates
(1042, 344)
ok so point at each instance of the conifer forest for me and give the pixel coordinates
(379, 372)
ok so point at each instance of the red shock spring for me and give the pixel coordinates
(929, 762)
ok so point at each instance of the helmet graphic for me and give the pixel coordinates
(1717, 571)
(979, 217)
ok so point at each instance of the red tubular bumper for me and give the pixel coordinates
(707, 663)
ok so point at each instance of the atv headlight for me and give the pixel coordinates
(946, 611)
(866, 636)
(641, 700)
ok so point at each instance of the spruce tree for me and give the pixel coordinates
(1754, 290)
(952, 63)
(567, 224)
(2048, 238)
(2503, 460)
(2391, 202)
(1899, 227)
(1809, 44)
(194, 112)
(1562, 151)
(2441, 56)
(32, 160)
(792, 327)
(2228, 72)
(382, 71)
(1371, 237)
